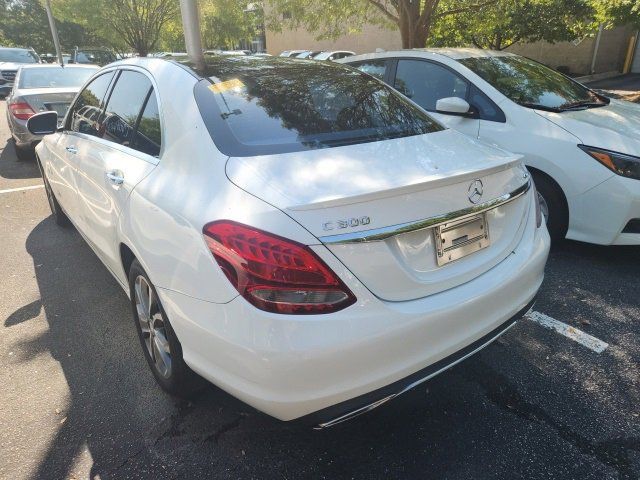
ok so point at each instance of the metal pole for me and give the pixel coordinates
(596, 48)
(191, 26)
(54, 32)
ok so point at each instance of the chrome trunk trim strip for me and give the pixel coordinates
(379, 234)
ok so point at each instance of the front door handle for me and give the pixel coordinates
(72, 149)
(116, 177)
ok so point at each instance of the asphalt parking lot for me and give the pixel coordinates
(78, 401)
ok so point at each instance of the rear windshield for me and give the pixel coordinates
(18, 55)
(259, 106)
(48, 77)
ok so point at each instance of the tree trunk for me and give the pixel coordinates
(415, 24)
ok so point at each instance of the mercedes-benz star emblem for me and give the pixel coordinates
(475, 191)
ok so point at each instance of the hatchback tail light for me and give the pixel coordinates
(273, 273)
(21, 110)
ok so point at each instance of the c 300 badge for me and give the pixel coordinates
(346, 223)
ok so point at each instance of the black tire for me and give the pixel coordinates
(25, 154)
(180, 380)
(58, 214)
(556, 204)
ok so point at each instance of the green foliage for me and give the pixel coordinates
(25, 23)
(123, 24)
(618, 12)
(505, 22)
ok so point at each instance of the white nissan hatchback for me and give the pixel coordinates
(295, 232)
(583, 149)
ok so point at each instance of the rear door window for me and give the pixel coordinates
(148, 135)
(125, 104)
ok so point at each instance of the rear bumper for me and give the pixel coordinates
(601, 214)
(21, 133)
(292, 366)
(365, 403)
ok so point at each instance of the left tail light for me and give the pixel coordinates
(21, 110)
(273, 273)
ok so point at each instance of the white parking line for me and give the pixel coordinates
(592, 343)
(11, 190)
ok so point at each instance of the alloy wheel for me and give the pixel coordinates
(153, 326)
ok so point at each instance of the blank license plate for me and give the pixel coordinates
(460, 238)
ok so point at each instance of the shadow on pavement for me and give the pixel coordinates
(11, 167)
(494, 416)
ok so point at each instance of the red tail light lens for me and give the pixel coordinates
(21, 110)
(273, 273)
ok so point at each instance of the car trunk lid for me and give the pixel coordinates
(364, 201)
(47, 99)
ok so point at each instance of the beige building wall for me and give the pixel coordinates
(611, 53)
(576, 56)
(368, 40)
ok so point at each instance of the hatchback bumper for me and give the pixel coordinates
(607, 213)
(292, 366)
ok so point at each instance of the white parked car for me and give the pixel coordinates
(314, 254)
(334, 55)
(582, 148)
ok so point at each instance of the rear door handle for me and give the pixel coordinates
(72, 149)
(116, 177)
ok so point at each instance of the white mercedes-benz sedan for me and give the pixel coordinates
(582, 148)
(296, 232)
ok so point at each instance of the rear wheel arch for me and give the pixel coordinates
(556, 199)
(126, 257)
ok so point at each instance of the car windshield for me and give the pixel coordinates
(256, 106)
(18, 55)
(47, 77)
(531, 84)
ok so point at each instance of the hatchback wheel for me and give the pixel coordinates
(161, 347)
(553, 206)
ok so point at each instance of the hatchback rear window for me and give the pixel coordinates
(266, 106)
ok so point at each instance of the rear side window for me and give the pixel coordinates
(425, 83)
(85, 113)
(375, 68)
(123, 109)
(257, 107)
(148, 137)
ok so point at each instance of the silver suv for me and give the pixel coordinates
(10, 61)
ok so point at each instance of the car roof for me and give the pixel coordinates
(452, 53)
(30, 66)
(459, 53)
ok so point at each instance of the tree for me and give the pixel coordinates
(136, 24)
(25, 23)
(617, 12)
(500, 25)
(332, 18)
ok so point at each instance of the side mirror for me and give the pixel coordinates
(43, 123)
(454, 106)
